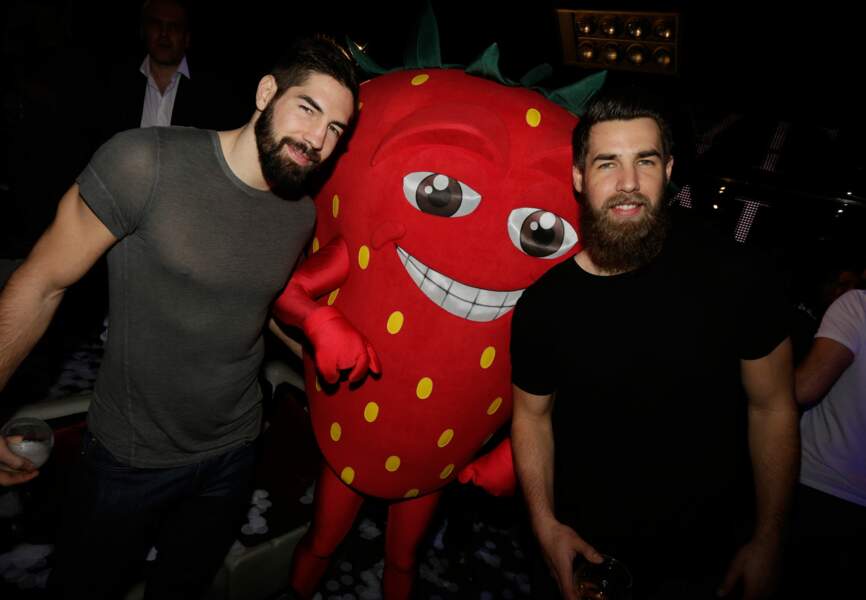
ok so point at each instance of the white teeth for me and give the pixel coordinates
(414, 272)
(433, 291)
(466, 293)
(485, 313)
(457, 298)
(456, 306)
(439, 279)
(512, 298)
(403, 255)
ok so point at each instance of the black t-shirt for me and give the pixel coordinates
(649, 414)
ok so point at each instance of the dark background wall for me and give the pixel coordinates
(772, 65)
(752, 55)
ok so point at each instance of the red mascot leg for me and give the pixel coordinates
(335, 508)
(407, 523)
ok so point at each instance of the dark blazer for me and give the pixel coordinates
(203, 101)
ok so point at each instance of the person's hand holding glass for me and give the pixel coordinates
(25, 445)
(607, 580)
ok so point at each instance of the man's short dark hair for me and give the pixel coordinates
(315, 54)
(619, 104)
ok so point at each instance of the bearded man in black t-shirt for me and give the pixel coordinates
(654, 418)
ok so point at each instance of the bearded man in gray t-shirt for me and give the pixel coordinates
(201, 231)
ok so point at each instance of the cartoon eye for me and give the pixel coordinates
(540, 233)
(440, 195)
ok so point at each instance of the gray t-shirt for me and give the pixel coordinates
(200, 257)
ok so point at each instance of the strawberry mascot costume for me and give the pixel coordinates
(453, 196)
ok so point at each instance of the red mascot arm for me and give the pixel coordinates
(337, 345)
(494, 471)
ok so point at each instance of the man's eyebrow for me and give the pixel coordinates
(641, 154)
(318, 108)
(311, 102)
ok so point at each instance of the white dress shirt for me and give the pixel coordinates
(158, 106)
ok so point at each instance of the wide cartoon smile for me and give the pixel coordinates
(461, 300)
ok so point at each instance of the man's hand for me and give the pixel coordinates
(757, 565)
(14, 470)
(338, 346)
(560, 545)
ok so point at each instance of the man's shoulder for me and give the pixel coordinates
(702, 246)
(138, 146)
(851, 303)
(182, 133)
(693, 233)
(545, 291)
(151, 140)
(556, 276)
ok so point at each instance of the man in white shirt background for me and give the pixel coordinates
(165, 30)
(163, 89)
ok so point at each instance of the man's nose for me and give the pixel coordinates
(315, 136)
(628, 180)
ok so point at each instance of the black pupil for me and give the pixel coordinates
(444, 202)
(539, 241)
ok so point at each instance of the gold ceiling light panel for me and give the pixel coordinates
(632, 41)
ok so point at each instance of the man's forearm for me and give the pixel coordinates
(532, 441)
(774, 444)
(26, 310)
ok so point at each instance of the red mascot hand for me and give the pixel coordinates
(337, 345)
(494, 471)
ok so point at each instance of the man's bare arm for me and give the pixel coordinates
(824, 364)
(64, 253)
(293, 345)
(774, 438)
(532, 444)
(774, 445)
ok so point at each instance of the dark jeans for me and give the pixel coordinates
(115, 513)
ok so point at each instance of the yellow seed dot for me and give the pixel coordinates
(371, 412)
(445, 438)
(333, 297)
(494, 406)
(335, 205)
(336, 431)
(364, 257)
(392, 463)
(318, 385)
(533, 117)
(487, 357)
(395, 322)
(360, 106)
(420, 79)
(413, 493)
(315, 245)
(425, 388)
(348, 475)
(446, 472)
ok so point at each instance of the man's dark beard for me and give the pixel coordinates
(619, 247)
(285, 177)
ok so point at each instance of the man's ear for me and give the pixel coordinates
(669, 167)
(266, 91)
(577, 179)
